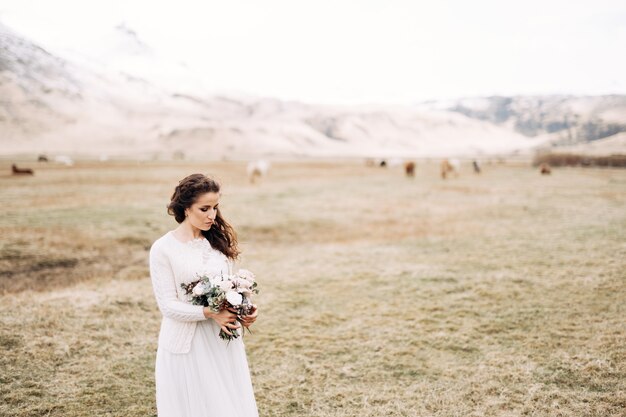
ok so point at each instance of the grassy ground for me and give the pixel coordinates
(493, 295)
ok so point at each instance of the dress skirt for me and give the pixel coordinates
(211, 380)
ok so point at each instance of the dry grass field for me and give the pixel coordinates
(500, 294)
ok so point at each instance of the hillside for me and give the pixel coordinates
(613, 145)
(128, 104)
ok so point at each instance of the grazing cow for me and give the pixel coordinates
(21, 171)
(476, 166)
(257, 169)
(382, 163)
(449, 166)
(42, 158)
(409, 169)
(545, 169)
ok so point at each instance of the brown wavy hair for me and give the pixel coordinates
(221, 235)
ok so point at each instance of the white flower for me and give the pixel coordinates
(234, 298)
(245, 274)
(198, 289)
(225, 285)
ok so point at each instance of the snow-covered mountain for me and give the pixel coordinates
(51, 104)
(560, 120)
(118, 99)
(122, 51)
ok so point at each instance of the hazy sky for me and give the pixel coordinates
(351, 51)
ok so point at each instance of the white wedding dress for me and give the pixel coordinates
(212, 379)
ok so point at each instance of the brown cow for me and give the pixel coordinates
(545, 169)
(21, 171)
(409, 169)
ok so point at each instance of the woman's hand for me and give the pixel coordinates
(250, 318)
(226, 319)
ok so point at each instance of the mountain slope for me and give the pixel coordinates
(563, 120)
(32, 82)
(274, 127)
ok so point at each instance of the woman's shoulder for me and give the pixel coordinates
(162, 243)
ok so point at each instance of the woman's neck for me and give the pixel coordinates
(186, 231)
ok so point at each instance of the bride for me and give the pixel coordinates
(197, 373)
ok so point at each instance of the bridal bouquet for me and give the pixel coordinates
(221, 291)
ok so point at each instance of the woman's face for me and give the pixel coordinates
(201, 214)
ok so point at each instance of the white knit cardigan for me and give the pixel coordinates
(172, 263)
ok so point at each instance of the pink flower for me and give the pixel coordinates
(247, 292)
(242, 283)
(247, 275)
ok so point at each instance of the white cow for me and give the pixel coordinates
(449, 167)
(64, 159)
(257, 170)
